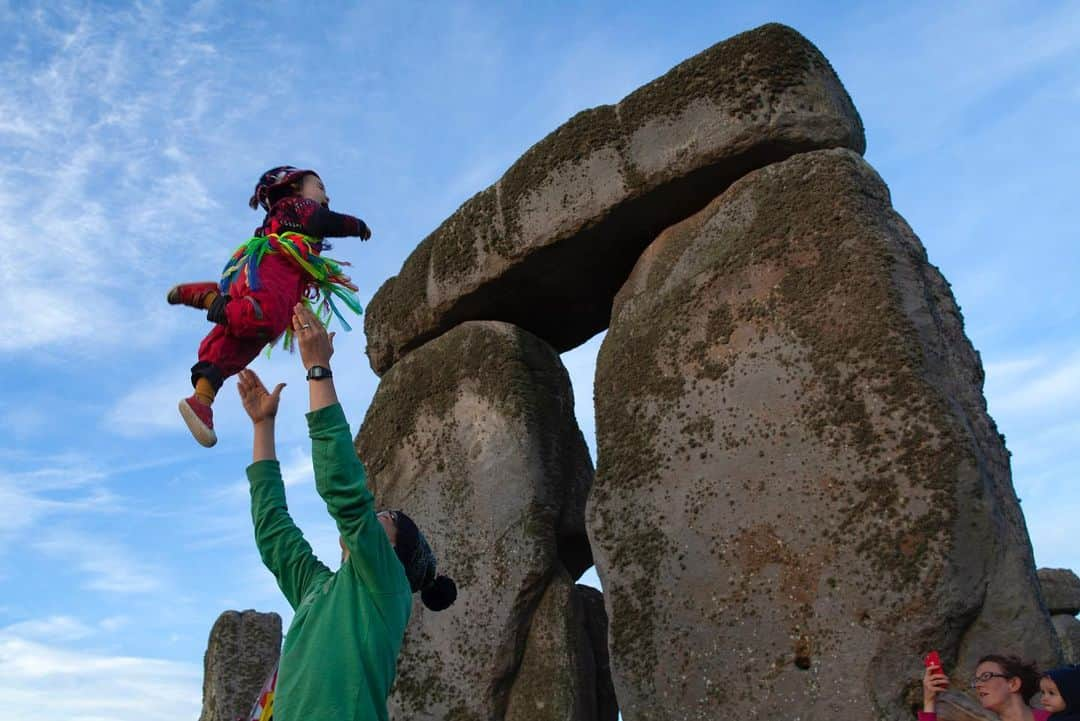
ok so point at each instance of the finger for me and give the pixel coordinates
(300, 318)
(331, 338)
(277, 390)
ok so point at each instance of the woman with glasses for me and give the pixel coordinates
(1003, 684)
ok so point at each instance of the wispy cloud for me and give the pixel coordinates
(1009, 38)
(53, 628)
(41, 681)
(28, 497)
(62, 486)
(1043, 385)
(106, 565)
(107, 112)
(297, 468)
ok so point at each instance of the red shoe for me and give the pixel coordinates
(200, 420)
(193, 294)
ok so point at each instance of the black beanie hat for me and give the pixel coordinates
(437, 592)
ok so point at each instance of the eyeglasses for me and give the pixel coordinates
(392, 514)
(984, 677)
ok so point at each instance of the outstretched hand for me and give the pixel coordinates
(260, 404)
(316, 345)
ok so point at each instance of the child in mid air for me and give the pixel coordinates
(253, 303)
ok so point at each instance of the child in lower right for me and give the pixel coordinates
(1060, 689)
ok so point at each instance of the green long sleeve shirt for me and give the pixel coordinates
(340, 653)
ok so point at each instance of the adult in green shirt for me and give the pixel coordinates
(340, 653)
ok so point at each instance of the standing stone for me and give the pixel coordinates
(556, 679)
(1061, 590)
(799, 489)
(1068, 631)
(548, 245)
(241, 654)
(474, 436)
(596, 624)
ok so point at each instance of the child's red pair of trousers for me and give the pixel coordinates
(253, 318)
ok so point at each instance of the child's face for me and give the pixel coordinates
(312, 188)
(1051, 697)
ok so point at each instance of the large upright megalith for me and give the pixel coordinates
(474, 436)
(548, 245)
(799, 489)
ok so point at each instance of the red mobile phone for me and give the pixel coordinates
(933, 660)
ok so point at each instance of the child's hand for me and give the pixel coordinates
(259, 404)
(316, 345)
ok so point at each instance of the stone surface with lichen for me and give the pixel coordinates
(474, 436)
(1061, 590)
(241, 653)
(799, 489)
(548, 245)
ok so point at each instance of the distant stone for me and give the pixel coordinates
(1068, 631)
(241, 654)
(1061, 590)
(556, 679)
(474, 436)
(548, 245)
(799, 489)
(596, 625)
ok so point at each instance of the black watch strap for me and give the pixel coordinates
(318, 373)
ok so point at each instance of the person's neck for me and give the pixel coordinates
(1015, 710)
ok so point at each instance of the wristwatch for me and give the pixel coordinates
(318, 373)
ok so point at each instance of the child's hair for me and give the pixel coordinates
(1015, 667)
(275, 194)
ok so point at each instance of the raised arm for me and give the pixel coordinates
(340, 477)
(934, 682)
(281, 545)
(321, 222)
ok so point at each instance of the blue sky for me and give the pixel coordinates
(131, 136)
